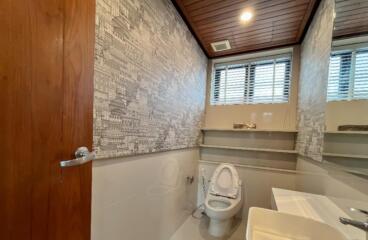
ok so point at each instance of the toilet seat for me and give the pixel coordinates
(226, 207)
(225, 181)
(223, 199)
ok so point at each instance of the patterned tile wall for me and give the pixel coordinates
(150, 79)
(315, 53)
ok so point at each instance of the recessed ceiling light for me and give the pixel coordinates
(246, 16)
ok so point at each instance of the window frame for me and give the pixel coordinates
(352, 49)
(249, 80)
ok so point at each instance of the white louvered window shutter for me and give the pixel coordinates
(253, 82)
(360, 88)
(348, 75)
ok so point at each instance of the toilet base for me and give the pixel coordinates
(219, 228)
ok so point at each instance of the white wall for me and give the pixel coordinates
(149, 96)
(266, 116)
(257, 184)
(143, 197)
(346, 190)
(346, 113)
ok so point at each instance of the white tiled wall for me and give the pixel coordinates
(143, 197)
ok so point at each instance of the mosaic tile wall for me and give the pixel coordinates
(150, 79)
(315, 53)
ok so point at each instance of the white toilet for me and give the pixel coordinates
(223, 200)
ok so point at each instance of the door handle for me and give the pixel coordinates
(82, 156)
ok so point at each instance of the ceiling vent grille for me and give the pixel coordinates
(221, 46)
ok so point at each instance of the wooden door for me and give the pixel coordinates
(46, 97)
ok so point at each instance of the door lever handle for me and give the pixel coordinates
(82, 156)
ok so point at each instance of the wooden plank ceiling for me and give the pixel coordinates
(275, 23)
(351, 18)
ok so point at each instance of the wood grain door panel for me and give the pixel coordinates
(46, 94)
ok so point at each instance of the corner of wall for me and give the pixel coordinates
(314, 61)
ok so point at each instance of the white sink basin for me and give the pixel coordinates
(264, 224)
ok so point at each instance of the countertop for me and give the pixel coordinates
(317, 207)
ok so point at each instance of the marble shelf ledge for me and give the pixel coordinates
(250, 130)
(250, 149)
(340, 155)
(348, 132)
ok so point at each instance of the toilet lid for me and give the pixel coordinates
(225, 181)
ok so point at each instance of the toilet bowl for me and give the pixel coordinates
(223, 200)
